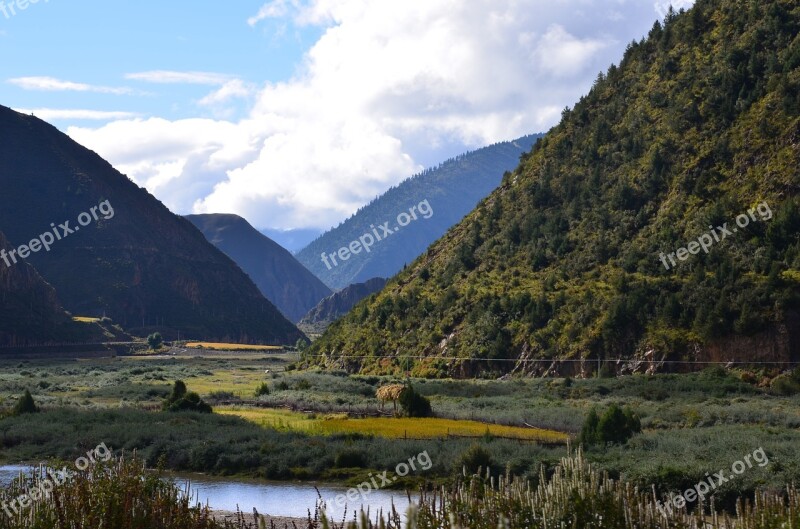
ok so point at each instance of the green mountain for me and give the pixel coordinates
(113, 249)
(279, 276)
(697, 129)
(428, 204)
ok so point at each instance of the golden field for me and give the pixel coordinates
(392, 428)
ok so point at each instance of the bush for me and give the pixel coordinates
(414, 404)
(25, 404)
(787, 385)
(615, 426)
(180, 400)
(350, 459)
(475, 459)
(263, 389)
(155, 341)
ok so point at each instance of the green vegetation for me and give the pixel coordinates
(181, 400)
(579, 496)
(696, 125)
(691, 423)
(452, 190)
(788, 384)
(155, 341)
(109, 494)
(25, 404)
(414, 404)
(616, 426)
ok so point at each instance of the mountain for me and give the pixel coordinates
(279, 276)
(416, 212)
(109, 247)
(659, 221)
(29, 310)
(338, 304)
(293, 240)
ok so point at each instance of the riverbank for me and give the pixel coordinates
(276, 522)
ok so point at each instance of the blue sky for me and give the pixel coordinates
(294, 113)
(100, 42)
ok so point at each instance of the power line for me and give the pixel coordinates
(551, 360)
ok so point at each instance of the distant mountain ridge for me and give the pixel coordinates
(145, 267)
(338, 304)
(451, 190)
(292, 240)
(566, 267)
(275, 271)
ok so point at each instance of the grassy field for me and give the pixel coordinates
(391, 428)
(693, 423)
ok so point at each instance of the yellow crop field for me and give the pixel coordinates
(394, 428)
(232, 346)
(85, 319)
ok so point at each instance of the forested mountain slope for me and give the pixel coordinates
(447, 193)
(698, 125)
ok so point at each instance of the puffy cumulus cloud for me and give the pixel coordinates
(387, 88)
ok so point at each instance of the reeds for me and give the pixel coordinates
(120, 494)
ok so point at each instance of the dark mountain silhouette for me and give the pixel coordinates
(30, 313)
(338, 304)
(451, 190)
(279, 276)
(589, 251)
(144, 267)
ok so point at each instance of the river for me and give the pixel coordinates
(289, 499)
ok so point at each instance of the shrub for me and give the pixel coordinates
(474, 459)
(25, 404)
(615, 426)
(181, 400)
(787, 385)
(263, 389)
(414, 404)
(350, 459)
(155, 341)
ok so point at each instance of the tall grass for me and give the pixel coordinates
(110, 495)
(579, 497)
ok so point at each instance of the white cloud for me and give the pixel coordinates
(95, 115)
(174, 77)
(274, 9)
(235, 89)
(51, 84)
(662, 6)
(388, 87)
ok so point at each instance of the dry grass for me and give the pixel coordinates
(414, 428)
